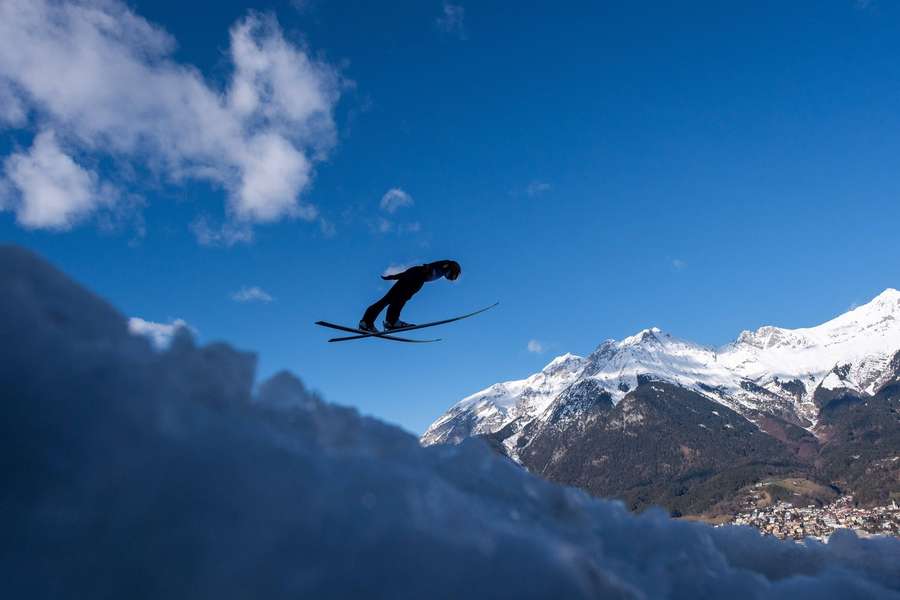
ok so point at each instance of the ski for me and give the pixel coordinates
(364, 334)
(388, 334)
(385, 337)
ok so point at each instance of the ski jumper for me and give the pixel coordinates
(408, 283)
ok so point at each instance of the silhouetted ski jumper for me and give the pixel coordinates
(408, 283)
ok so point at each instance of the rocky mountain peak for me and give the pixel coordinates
(772, 369)
(565, 362)
(766, 336)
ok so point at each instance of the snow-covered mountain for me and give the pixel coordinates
(770, 371)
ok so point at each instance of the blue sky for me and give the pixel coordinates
(597, 167)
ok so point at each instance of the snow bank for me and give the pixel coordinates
(136, 473)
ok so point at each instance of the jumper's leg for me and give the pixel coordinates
(393, 312)
(373, 311)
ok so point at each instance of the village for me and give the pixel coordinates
(784, 520)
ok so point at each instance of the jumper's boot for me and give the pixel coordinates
(398, 324)
(370, 327)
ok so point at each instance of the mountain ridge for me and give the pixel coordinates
(749, 373)
(791, 385)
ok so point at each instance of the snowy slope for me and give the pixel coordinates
(137, 473)
(864, 338)
(617, 365)
(492, 408)
(771, 370)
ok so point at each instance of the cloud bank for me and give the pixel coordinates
(99, 83)
(131, 473)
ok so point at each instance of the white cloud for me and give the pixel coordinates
(394, 199)
(393, 269)
(226, 234)
(251, 294)
(536, 188)
(274, 172)
(678, 264)
(53, 191)
(303, 6)
(536, 347)
(382, 225)
(104, 80)
(452, 19)
(327, 228)
(12, 109)
(160, 334)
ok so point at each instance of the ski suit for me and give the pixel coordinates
(408, 283)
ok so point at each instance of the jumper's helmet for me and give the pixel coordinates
(452, 270)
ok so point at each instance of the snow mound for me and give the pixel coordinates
(133, 472)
